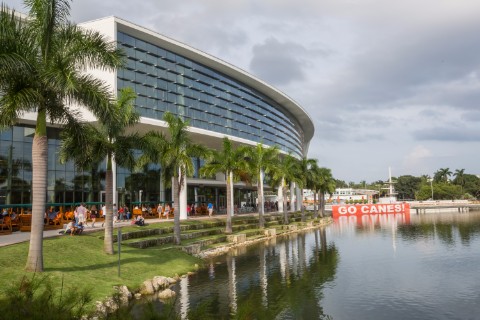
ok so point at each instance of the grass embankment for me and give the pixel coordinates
(79, 262)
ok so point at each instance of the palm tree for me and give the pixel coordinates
(43, 59)
(305, 174)
(285, 173)
(261, 160)
(88, 144)
(231, 162)
(174, 153)
(442, 175)
(325, 184)
(460, 178)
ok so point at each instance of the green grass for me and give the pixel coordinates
(81, 262)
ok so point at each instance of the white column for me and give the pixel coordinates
(299, 198)
(280, 197)
(114, 182)
(232, 211)
(183, 202)
(292, 197)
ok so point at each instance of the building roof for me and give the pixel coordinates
(230, 70)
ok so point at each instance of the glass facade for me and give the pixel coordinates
(165, 81)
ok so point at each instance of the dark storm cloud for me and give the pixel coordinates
(448, 134)
(278, 63)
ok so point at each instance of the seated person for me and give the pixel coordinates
(52, 214)
(79, 228)
(139, 221)
(70, 226)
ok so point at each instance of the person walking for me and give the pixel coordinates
(210, 209)
(167, 210)
(104, 213)
(81, 214)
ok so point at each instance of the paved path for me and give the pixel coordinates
(17, 236)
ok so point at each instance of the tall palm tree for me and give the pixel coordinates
(88, 144)
(43, 59)
(261, 160)
(285, 173)
(305, 175)
(442, 175)
(325, 184)
(231, 162)
(460, 178)
(174, 152)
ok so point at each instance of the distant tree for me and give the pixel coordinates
(472, 185)
(459, 178)
(442, 191)
(407, 186)
(340, 184)
(442, 175)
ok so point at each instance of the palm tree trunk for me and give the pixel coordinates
(261, 219)
(108, 239)
(285, 209)
(177, 185)
(301, 204)
(39, 189)
(228, 228)
(322, 204)
(315, 211)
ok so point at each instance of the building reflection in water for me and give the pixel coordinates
(263, 281)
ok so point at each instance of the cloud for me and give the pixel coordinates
(458, 134)
(278, 63)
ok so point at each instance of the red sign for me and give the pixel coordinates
(360, 209)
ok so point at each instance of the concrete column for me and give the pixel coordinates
(292, 197)
(299, 198)
(280, 198)
(183, 202)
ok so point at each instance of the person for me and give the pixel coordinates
(121, 214)
(4, 212)
(81, 212)
(93, 215)
(140, 221)
(115, 212)
(104, 213)
(189, 210)
(126, 211)
(159, 211)
(210, 209)
(167, 210)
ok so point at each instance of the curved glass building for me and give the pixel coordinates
(217, 99)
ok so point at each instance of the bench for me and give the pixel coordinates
(6, 225)
(25, 222)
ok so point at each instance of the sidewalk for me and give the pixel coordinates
(18, 236)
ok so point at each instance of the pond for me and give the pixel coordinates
(370, 267)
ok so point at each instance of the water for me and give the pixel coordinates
(375, 267)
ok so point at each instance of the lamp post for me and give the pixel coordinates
(140, 197)
(431, 186)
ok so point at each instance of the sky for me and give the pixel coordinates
(388, 84)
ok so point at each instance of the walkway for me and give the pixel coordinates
(17, 236)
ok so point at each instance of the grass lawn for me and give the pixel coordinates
(80, 262)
